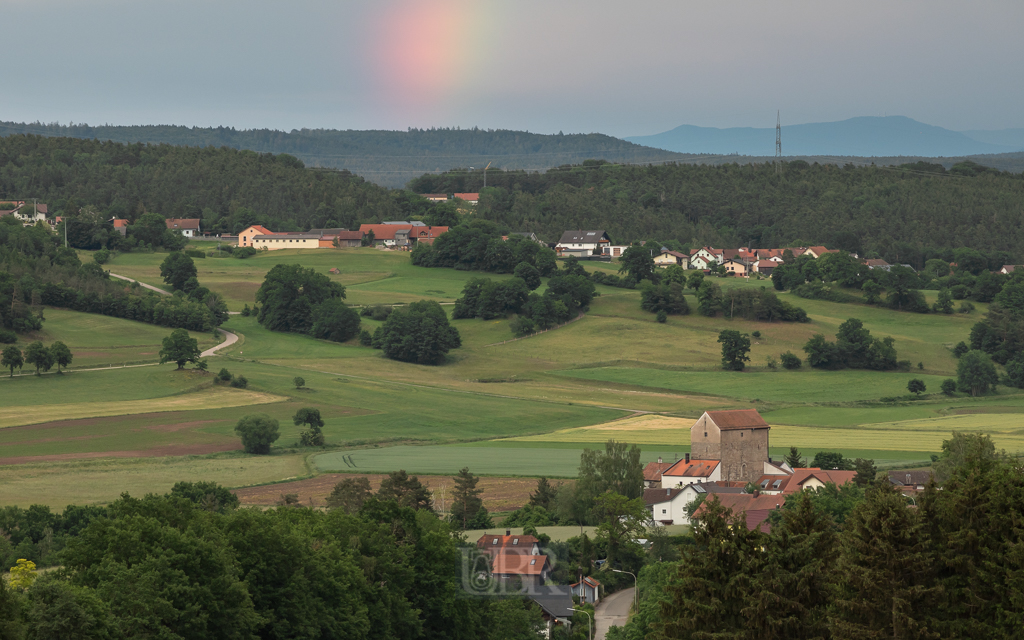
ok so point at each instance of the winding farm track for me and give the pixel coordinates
(229, 339)
(142, 284)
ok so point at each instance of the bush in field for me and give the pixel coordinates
(790, 361)
(418, 333)
(241, 382)
(258, 431)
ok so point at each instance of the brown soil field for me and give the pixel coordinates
(153, 452)
(499, 494)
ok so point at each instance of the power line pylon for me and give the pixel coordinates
(778, 143)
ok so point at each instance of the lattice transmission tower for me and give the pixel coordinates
(778, 143)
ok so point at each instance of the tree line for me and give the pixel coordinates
(869, 564)
(902, 216)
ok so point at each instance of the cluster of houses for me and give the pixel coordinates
(28, 212)
(395, 235)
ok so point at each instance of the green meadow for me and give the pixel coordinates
(500, 406)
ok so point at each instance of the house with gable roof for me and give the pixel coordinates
(653, 471)
(687, 471)
(801, 479)
(755, 507)
(667, 258)
(188, 227)
(245, 236)
(668, 506)
(588, 589)
(582, 243)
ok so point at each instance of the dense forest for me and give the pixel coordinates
(228, 189)
(905, 215)
(387, 158)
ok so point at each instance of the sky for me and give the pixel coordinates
(617, 67)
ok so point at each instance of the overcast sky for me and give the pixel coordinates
(626, 67)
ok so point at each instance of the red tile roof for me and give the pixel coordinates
(756, 508)
(120, 222)
(511, 543)
(519, 564)
(182, 223)
(344, 235)
(427, 233)
(384, 231)
(738, 419)
(592, 582)
(467, 196)
(795, 482)
(692, 469)
(653, 470)
(657, 496)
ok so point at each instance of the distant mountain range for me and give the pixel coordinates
(865, 136)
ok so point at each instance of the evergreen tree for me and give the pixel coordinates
(544, 495)
(790, 596)
(466, 500)
(885, 585)
(406, 490)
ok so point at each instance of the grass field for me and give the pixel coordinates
(808, 385)
(100, 340)
(501, 408)
(102, 481)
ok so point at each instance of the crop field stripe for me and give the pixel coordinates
(205, 399)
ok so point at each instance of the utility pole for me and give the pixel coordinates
(485, 174)
(778, 143)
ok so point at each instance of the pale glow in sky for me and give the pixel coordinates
(622, 68)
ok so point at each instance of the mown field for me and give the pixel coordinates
(500, 407)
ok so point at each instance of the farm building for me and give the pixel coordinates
(738, 438)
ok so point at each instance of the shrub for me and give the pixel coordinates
(102, 256)
(756, 334)
(960, 349)
(1015, 372)
(7, 336)
(771, 362)
(916, 386)
(522, 326)
(965, 307)
(258, 432)
(335, 321)
(662, 316)
(903, 365)
(948, 386)
(243, 252)
(241, 382)
(365, 338)
(194, 253)
(224, 375)
(299, 382)
(790, 360)
(246, 311)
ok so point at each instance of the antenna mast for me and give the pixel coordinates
(778, 143)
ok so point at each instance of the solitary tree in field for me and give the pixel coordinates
(916, 386)
(12, 358)
(61, 354)
(299, 382)
(179, 348)
(735, 347)
(314, 436)
(258, 432)
(38, 355)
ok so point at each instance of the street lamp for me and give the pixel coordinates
(591, 621)
(636, 590)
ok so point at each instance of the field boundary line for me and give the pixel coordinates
(557, 326)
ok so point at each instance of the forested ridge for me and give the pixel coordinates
(899, 213)
(227, 188)
(388, 158)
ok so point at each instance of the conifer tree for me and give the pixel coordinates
(790, 596)
(544, 495)
(466, 500)
(885, 581)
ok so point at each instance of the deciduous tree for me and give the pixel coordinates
(12, 358)
(735, 349)
(179, 348)
(258, 432)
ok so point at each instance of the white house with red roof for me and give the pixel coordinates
(754, 507)
(653, 471)
(801, 479)
(706, 256)
(188, 227)
(588, 589)
(687, 471)
(471, 198)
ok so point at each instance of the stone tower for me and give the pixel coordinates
(738, 438)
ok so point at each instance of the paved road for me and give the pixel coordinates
(613, 611)
(229, 339)
(142, 284)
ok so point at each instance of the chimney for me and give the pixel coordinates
(687, 458)
(659, 459)
(757, 493)
(769, 459)
(508, 532)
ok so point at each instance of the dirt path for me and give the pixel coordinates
(229, 339)
(142, 284)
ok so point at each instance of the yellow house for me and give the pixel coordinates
(735, 267)
(668, 258)
(287, 241)
(245, 237)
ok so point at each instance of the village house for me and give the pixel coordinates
(470, 198)
(687, 471)
(801, 479)
(582, 243)
(494, 545)
(387, 235)
(667, 258)
(246, 235)
(877, 263)
(707, 256)
(188, 227)
(910, 481)
(120, 226)
(1010, 268)
(425, 235)
(435, 197)
(738, 438)
(653, 471)
(755, 507)
(668, 506)
(614, 251)
(289, 240)
(555, 602)
(28, 212)
(764, 267)
(588, 590)
(735, 267)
